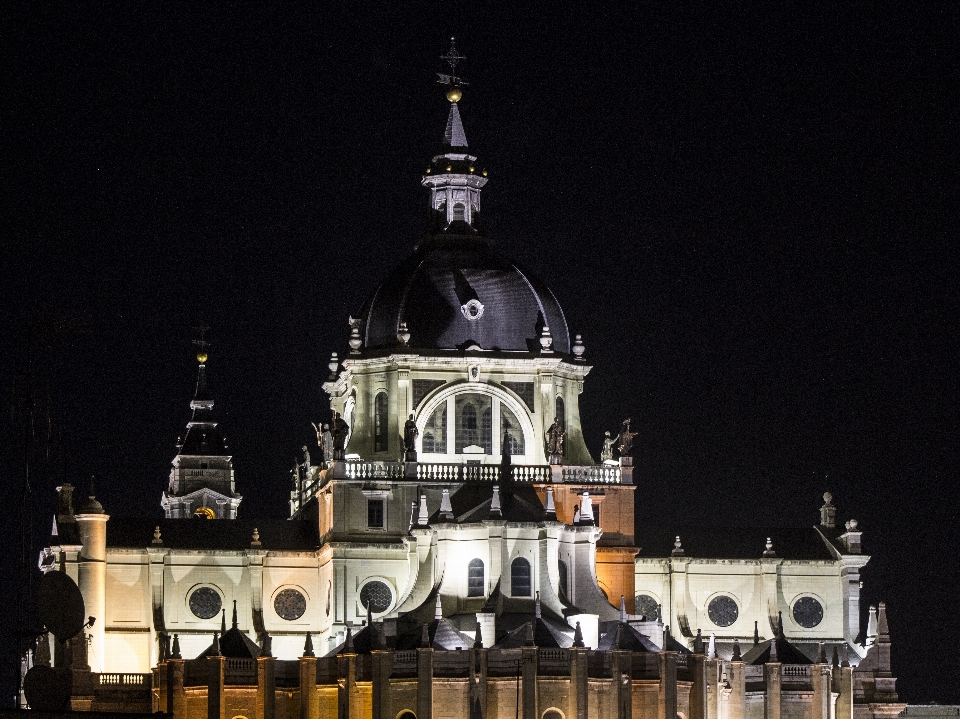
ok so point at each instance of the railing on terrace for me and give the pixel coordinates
(796, 673)
(240, 671)
(682, 660)
(133, 681)
(455, 472)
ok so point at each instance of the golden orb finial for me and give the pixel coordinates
(454, 94)
(202, 357)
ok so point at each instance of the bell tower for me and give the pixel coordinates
(201, 479)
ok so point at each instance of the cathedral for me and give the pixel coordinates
(453, 549)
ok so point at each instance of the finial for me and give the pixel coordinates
(446, 509)
(156, 536)
(425, 637)
(333, 365)
(369, 614)
(175, 654)
(578, 349)
(403, 334)
(736, 651)
(546, 341)
(821, 654)
(256, 538)
(698, 642)
(355, 342)
(586, 510)
(223, 621)
(234, 613)
(424, 516)
(267, 649)
(835, 660)
(478, 638)
(578, 636)
(348, 642)
(215, 652)
(528, 635)
(201, 343)
(495, 502)
(779, 624)
(712, 647)
(756, 634)
(438, 610)
(677, 547)
(845, 661)
(308, 646)
(623, 610)
(768, 552)
(536, 606)
(456, 83)
(576, 514)
(828, 513)
(773, 650)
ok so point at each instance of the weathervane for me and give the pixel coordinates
(201, 343)
(452, 58)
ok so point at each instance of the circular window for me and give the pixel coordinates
(377, 596)
(290, 604)
(647, 606)
(205, 603)
(723, 611)
(807, 612)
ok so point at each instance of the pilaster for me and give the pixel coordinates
(309, 707)
(529, 679)
(216, 701)
(381, 662)
(266, 688)
(820, 675)
(773, 679)
(698, 692)
(176, 699)
(425, 683)
(577, 707)
(737, 702)
(667, 696)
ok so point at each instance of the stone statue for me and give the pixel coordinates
(410, 434)
(306, 459)
(606, 454)
(340, 432)
(555, 437)
(626, 438)
(327, 444)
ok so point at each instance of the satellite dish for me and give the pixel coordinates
(60, 605)
(47, 689)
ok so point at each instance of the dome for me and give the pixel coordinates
(455, 292)
(90, 506)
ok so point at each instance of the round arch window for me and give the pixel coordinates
(807, 612)
(723, 611)
(647, 606)
(376, 596)
(204, 513)
(205, 603)
(290, 604)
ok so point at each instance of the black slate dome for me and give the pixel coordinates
(456, 291)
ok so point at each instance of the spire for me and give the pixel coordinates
(872, 627)
(773, 650)
(821, 653)
(454, 137)
(478, 638)
(550, 508)
(369, 614)
(348, 642)
(223, 621)
(308, 646)
(215, 647)
(756, 634)
(234, 614)
(736, 651)
(779, 624)
(836, 658)
(536, 606)
(623, 610)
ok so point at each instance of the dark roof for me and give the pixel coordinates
(442, 634)
(619, 635)
(445, 272)
(733, 542)
(786, 653)
(203, 440)
(546, 634)
(234, 644)
(471, 503)
(229, 534)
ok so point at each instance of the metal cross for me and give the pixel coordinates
(451, 58)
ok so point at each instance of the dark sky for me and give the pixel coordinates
(748, 212)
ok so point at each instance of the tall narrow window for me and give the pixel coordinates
(475, 578)
(380, 423)
(562, 417)
(562, 566)
(435, 431)
(459, 211)
(520, 578)
(375, 514)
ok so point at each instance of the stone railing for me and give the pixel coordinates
(682, 660)
(240, 671)
(603, 474)
(372, 470)
(133, 681)
(554, 661)
(796, 673)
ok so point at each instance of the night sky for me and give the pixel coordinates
(749, 213)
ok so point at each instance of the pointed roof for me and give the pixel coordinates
(787, 653)
(454, 137)
(546, 635)
(441, 634)
(620, 635)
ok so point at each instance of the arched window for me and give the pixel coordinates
(475, 578)
(473, 413)
(380, 423)
(459, 211)
(520, 578)
(510, 431)
(562, 566)
(435, 431)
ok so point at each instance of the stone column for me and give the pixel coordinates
(578, 684)
(266, 687)
(529, 679)
(737, 677)
(380, 661)
(216, 701)
(176, 698)
(667, 696)
(92, 577)
(698, 692)
(425, 683)
(309, 706)
(773, 679)
(711, 669)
